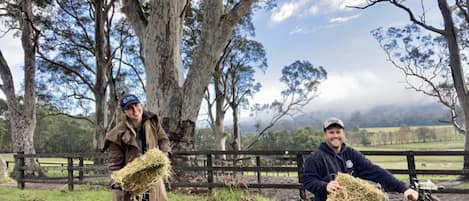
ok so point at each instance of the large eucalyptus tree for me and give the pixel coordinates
(158, 24)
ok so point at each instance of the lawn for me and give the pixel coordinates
(93, 193)
(392, 129)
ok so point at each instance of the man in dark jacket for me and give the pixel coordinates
(334, 156)
(139, 131)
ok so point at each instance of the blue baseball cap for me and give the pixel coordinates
(128, 100)
(333, 121)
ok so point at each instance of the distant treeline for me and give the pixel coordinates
(58, 133)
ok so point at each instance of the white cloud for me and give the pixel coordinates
(343, 19)
(287, 10)
(304, 8)
(362, 90)
(313, 10)
(297, 29)
(343, 4)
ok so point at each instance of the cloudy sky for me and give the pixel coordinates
(327, 33)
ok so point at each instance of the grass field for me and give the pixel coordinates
(392, 129)
(93, 193)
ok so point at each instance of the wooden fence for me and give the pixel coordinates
(211, 164)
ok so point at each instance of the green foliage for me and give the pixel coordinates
(62, 134)
(93, 193)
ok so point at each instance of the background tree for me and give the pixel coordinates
(232, 81)
(88, 63)
(244, 59)
(18, 15)
(455, 18)
(62, 134)
(301, 79)
(158, 25)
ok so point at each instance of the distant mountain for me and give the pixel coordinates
(379, 116)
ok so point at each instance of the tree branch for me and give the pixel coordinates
(407, 10)
(71, 116)
(134, 12)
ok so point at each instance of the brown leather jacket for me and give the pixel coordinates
(121, 145)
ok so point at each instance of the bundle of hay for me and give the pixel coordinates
(355, 189)
(144, 171)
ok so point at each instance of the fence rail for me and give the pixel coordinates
(214, 162)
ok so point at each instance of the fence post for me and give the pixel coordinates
(70, 173)
(209, 172)
(80, 172)
(411, 167)
(19, 161)
(258, 171)
(299, 165)
(258, 165)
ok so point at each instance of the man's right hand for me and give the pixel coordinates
(333, 186)
(411, 195)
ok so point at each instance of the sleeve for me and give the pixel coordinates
(163, 140)
(367, 170)
(311, 177)
(116, 158)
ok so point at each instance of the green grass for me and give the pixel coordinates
(96, 193)
(396, 128)
(429, 146)
(14, 194)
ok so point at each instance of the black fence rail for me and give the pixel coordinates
(75, 164)
(212, 164)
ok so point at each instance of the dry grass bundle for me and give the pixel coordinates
(144, 171)
(355, 189)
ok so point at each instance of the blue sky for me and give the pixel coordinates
(326, 33)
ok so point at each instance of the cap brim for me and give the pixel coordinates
(130, 103)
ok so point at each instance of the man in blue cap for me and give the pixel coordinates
(139, 131)
(334, 156)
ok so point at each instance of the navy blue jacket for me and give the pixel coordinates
(323, 165)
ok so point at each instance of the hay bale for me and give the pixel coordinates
(355, 189)
(144, 171)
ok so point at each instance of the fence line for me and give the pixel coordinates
(242, 162)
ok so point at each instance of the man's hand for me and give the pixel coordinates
(333, 186)
(411, 195)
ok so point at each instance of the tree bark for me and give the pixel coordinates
(236, 144)
(219, 132)
(160, 34)
(101, 70)
(456, 71)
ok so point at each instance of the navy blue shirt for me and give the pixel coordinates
(322, 166)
